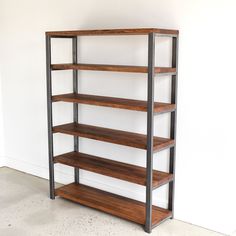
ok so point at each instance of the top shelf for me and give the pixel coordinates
(103, 32)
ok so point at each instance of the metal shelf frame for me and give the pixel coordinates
(150, 119)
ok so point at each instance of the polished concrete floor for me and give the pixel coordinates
(26, 210)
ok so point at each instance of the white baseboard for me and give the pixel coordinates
(65, 178)
(26, 167)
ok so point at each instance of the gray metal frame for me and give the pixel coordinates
(75, 105)
(150, 127)
(173, 119)
(150, 119)
(50, 124)
(49, 110)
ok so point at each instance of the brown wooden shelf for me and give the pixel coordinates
(138, 31)
(115, 169)
(116, 68)
(122, 103)
(110, 203)
(113, 136)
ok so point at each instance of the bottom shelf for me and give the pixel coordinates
(110, 203)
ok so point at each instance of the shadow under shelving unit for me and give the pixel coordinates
(145, 214)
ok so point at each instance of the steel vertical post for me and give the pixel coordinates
(75, 105)
(49, 112)
(174, 82)
(150, 121)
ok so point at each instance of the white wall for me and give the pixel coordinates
(205, 177)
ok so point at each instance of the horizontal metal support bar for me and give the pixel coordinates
(166, 35)
(63, 36)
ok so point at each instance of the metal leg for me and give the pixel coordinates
(149, 166)
(49, 110)
(75, 105)
(173, 121)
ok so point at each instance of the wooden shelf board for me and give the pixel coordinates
(122, 103)
(113, 136)
(115, 169)
(110, 203)
(116, 68)
(137, 31)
